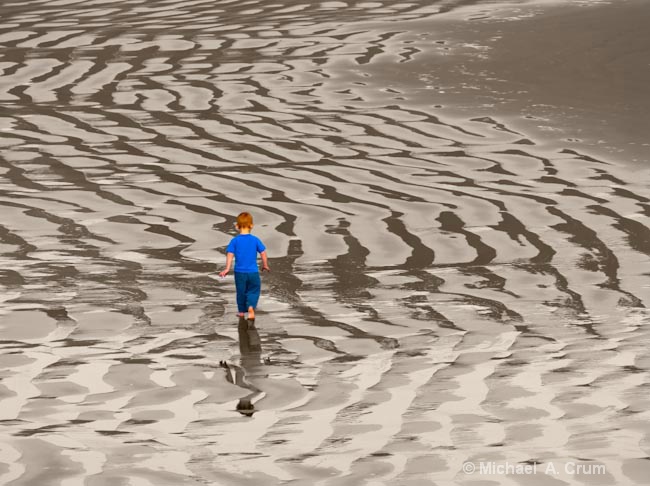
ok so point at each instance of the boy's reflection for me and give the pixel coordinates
(250, 348)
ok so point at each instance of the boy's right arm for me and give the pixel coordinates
(229, 259)
(265, 262)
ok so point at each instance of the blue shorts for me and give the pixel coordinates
(248, 286)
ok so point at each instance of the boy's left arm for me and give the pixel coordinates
(229, 259)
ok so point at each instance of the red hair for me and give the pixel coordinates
(244, 220)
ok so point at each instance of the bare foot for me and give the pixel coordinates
(251, 313)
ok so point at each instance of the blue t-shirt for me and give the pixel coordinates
(246, 247)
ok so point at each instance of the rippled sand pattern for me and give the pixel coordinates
(442, 290)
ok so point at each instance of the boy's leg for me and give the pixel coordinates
(240, 287)
(253, 288)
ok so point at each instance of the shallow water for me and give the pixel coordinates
(459, 253)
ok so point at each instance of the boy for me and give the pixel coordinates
(244, 249)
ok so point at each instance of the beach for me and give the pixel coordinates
(454, 200)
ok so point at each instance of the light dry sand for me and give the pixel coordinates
(454, 196)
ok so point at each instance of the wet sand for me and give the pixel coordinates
(454, 199)
(574, 73)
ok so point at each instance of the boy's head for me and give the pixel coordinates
(244, 221)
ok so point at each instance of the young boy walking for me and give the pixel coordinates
(244, 248)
